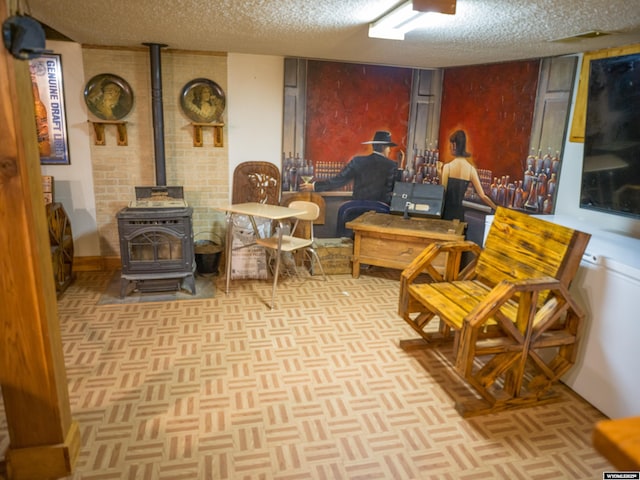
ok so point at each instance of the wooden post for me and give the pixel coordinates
(44, 440)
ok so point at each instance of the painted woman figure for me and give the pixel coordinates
(205, 104)
(106, 104)
(456, 176)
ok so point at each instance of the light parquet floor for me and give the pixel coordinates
(318, 388)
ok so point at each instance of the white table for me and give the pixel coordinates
(252, 210)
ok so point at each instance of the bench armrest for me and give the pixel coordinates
(423, 263)
(523, 292)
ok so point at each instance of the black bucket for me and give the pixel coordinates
(207, 253)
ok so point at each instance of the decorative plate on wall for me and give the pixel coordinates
(203, 101)
(108, 96)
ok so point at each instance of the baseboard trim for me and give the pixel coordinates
(96, 264)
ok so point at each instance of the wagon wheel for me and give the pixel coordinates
(61, 240)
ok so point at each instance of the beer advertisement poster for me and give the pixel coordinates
(48, 95)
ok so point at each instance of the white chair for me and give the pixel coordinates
(291, 243)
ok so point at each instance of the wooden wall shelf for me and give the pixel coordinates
(98, 128)
(217, 133)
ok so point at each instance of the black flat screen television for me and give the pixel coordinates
(611, 165)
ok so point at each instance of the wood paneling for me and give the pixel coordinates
(44, 441)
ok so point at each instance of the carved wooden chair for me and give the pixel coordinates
(256, 182)
(513, 324)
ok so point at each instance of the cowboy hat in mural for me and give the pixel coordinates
(381, 138)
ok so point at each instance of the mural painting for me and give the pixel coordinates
(494, 110)
(345, 105)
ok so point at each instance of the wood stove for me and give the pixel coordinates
(155, 230)
(156, 241)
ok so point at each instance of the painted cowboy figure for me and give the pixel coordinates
(373, 175)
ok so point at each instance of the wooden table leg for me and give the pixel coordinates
(355, 269)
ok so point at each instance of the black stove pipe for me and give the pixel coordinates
(157, 112)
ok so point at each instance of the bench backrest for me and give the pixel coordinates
(520, 246)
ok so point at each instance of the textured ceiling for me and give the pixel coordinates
(481, 31)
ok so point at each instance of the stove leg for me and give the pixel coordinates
(124, 283)
(191, 283)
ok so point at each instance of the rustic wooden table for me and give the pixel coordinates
(391, 241)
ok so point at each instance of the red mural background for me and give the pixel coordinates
(347, 103)
(494, 105)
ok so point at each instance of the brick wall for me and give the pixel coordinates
(202, 171)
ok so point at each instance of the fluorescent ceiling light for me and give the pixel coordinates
(394, 24)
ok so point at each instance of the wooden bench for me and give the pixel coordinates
(618, 441)
(513, 323)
